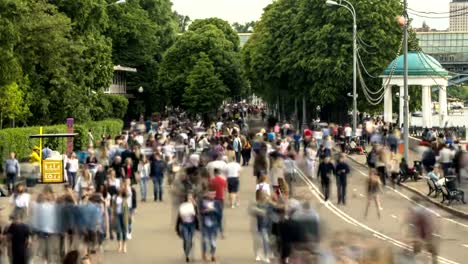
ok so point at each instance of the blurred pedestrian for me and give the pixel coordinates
(324, 172)
(210, 212)
(187, 223)
(374, 187)
(342, 172)
(12, 171)
(19, 237)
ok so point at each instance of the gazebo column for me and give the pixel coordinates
(402, 114)
(442, 105)
(426, 107)
(388, 111)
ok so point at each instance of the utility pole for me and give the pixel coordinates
(354, 71)
(405, 83)
(304, 113)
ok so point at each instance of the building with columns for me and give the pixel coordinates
(426, 73)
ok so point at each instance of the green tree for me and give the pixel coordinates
(304, 48)
(141, 31)
(180, 59)
(183, 22)
(222, 25)
(12, 103)
(205, 90)
(244, 28)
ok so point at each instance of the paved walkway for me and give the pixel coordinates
(420, 187)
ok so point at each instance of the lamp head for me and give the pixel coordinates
(141, 90)
(331, 3)
(120, 2)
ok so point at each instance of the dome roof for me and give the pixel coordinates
(419, 64)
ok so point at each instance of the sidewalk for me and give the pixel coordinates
(421, 188)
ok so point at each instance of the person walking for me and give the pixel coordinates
(342, 172)
(262, 211)
(210, 212)
(12, 170)
(72, 169)
(289, 171)
(374, 187)
(237, 146)
(423, 228)
(219, 185)
(311, 156)
(144, 172)
(20, 202)
(325, 170)
(157, 169)
(121, 210)
(233, 170)
(187, 223)
(19, 236)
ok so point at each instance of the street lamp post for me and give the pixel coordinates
(119, 2)
(351, 9)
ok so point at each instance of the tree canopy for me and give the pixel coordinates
(203, 42)
(61, 53)
(304, 48)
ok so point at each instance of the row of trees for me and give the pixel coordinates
(303, 48)
(58, 56)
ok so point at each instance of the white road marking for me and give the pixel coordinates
(348, 219)
(464, 245)
(409, 199)
(394, 216)
(362, 195)
(379, 237)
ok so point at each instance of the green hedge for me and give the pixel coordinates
(17, 139)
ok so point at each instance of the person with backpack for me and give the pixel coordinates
(246, 152)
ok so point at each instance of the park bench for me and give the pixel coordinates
(450, 193)
(433, 187)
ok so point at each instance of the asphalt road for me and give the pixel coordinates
(392, 227)
(154, 239)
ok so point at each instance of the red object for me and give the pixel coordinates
(129, 171)
(307, 132)
(219, 184)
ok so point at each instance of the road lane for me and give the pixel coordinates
(453, 232)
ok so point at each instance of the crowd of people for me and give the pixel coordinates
(201, 164)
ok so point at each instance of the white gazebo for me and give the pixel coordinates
(423, 71)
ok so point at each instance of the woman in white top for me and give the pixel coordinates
(233, 170)
(144, 171)
(72, 168)
(263, 185)
(20, 202)
(187, 224)
(311, 156)
(84, 182)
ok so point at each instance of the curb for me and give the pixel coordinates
(459, 213)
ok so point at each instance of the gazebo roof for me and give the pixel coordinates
(419, 64)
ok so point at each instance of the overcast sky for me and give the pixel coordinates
(248, 10)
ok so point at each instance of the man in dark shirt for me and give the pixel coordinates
(324, 171)
(342, 171)
(157, 168)
(18, 234)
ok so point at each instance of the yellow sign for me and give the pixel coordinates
(52, 171)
